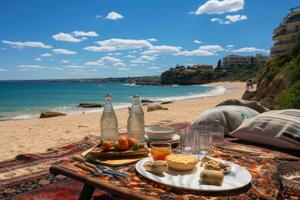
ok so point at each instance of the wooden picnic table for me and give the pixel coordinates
(91, 183)
(262, 163)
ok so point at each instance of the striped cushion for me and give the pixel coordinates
(280, 128)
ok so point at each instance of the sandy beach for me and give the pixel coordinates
(37, 135)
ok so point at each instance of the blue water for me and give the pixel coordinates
(27, 99)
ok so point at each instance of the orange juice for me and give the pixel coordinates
(159, 151)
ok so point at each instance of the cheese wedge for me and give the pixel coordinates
(181, 162)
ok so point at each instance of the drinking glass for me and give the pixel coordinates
(217, 132)
(200, 138)
(159, 150)
(186, 145)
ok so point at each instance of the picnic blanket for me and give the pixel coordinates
(27, 176)
(261, 162)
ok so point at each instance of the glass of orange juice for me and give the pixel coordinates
(159, 150)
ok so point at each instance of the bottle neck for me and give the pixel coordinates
(135, 100)
(108, 107)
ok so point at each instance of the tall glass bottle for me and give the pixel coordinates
(136, 121)
(109, 121)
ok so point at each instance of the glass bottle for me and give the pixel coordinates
(109, 121)
(136, 121)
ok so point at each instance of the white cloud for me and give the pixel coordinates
(236, 18)
(46, 55)
(106, 60)
(230, 19)
(197, 42)
(75, 36)
(65, 61)
(114, 16)
(115, 44)
(66, 37)
(64, 51)
(220, 21)
(153, 68)
(75, 67)
(133, 51)
(152, 40)
(162, 50)
(144, 59)
(100, 48)
(98, 16)
(21, 45)
(212, 48)
(30, 67)
(123, 69)
(206, 50)
(220, 7)
(196, 52)
(230, 46)
(2, 70)
(119, 65)
(38, 59)
(110, 59)
(93, 63)
(125, 44)
(85, 34)
(115, 54)
(130, 56)
(56, 68)
(250, 50)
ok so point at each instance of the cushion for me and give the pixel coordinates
(250, 104)
(230, 117)
(279, 128)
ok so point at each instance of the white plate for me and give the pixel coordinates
(174, 139)
(237, 178)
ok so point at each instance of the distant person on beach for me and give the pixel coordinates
(249, 85)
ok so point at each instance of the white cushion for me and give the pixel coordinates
(280, 128)
(230, 117)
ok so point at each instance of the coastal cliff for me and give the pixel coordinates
(187, 76)
(278, 82)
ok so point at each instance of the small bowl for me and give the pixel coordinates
(160, 133)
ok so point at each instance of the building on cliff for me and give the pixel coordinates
(233, 61)
(285, 34)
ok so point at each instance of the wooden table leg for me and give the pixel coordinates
(86, 192)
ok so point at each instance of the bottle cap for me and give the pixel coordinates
(108, 96)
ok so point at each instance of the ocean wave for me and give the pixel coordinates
(130, 84)
(216, 91)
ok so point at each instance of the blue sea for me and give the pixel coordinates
(27, 99)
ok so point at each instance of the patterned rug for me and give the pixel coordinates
(27, 176)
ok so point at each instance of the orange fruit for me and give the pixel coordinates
(131, 142)
(106, 145)
(122, 144)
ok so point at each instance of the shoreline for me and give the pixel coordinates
(75, 110)
(37, 135)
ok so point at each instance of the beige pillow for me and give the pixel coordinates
(230, 117)
(280, 128)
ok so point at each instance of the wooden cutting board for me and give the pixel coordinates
(115, 162)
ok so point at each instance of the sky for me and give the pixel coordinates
(55, 39)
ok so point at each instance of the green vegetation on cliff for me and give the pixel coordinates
(186, 76)
(279, 81)
(190, 75)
